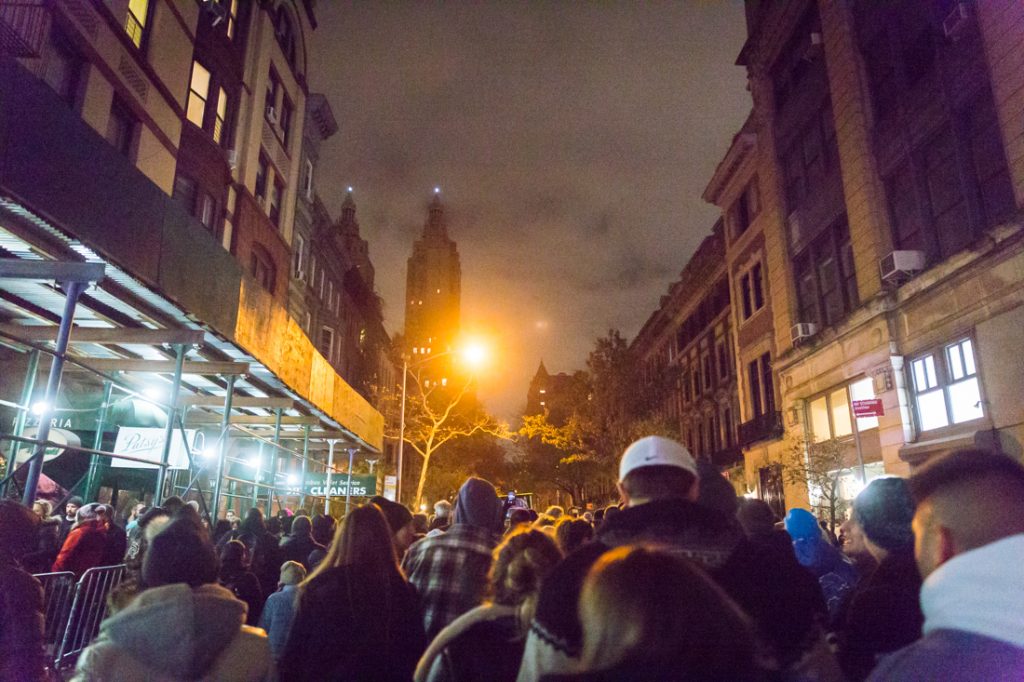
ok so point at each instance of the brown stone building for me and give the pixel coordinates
(875, 197)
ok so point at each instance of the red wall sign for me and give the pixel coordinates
(868, 408)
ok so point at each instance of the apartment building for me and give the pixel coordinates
(162, 140)
(876, 192)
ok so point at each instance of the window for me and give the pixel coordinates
(707, 373)
(198, 93)
(826, 281)
(752, 291)
(121, 127)
(221, 118)
(746, 208)
(327, 343)
(762, 390)
(207, 213)
(946, 387)
(722, 351)
(276, 194)
(185, 192)
(270, 100)
(299, 257)
(62, 67)
(135, 21)
(285, 120)
(830, 416)
(262, 170)
(810, 159)
(307, 180)
(232, 17)
(261, 267)
(285, 34)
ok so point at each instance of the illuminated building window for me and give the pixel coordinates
(327, 343)
(135, 21)
(946, 386)
(232, 17)
(198, 93)
(220, 120)
(830, 416)
(543, 390)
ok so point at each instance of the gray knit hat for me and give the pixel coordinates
(884, 510)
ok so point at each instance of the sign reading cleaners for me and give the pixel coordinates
(362, 486)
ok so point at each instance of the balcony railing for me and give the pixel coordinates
(763, 427)
(22, 27)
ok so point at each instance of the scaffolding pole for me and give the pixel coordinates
(161, 476)
(225, 443)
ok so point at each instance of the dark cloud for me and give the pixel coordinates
(572, 142)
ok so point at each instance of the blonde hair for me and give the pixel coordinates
(292, 573)
(521, 562)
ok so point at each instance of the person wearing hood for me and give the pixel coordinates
(299, 544)
(22, 657)
(969, 547)
(835, 573)
(86, 543)
(182, 627)
(400, 521)
(449, 571)
(883, 613)
(264, 550)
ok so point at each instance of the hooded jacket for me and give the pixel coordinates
(973, 609)
(84, 547)
(175, 632)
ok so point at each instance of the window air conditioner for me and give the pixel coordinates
(802, 331)
(272, 115)
(232, 158)
(957, 20)
(901, 265)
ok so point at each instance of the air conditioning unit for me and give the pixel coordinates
(901, 265)
(957, 20)
(232, 159)
(802, 331)
(272, 115)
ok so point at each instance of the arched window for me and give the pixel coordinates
(285, 32)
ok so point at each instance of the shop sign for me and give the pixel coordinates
(362, 485)
(872, 407)
(148, 444)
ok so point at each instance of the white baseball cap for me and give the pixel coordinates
(656, 451)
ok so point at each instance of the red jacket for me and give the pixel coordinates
(83, 549)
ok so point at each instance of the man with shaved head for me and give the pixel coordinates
(969, 547)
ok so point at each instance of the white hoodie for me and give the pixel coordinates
(980, 591)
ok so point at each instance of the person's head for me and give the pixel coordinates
(715, 491)
(572, 534)
(153, 521)
(88, 513)
(363, 539)
(138, 509)
(420, 523)
(442, 509)
(518, 517)
(851, 535)
(17, 530)
(301, 526)
(656, 468)
(610, 512)
(234, 557)
(179, 553)
(323, 529)
(274, 525)
(642, 606)
(521, 562)
(477, 504)
(756, 517)
(965, 500)
(230, 515)
(292, 573)
(173, 505)
(253, 522)
(71, 506)
(598, 517)
(221, 528)
(554, 511)
(884, 511)
(42, 509)
(399, 521)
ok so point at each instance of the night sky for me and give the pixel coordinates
(571, 142)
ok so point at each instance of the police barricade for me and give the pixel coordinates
(88, 610)
(58, 590)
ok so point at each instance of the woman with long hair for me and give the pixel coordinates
(235, 575)
(358, 618)
(649, 615)
(488, 641)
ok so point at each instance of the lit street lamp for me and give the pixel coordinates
(474, 354)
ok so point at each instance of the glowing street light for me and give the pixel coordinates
(473, 353)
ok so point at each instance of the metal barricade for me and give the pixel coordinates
(58, 589)
(88, 610)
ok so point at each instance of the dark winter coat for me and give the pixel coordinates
(117, 545)
(884, 615)
(83, 549)
(298, 548)
(354, 625)
(22, 658)
(264, 556)
(47, 546)
(246, 587)
(485, 643)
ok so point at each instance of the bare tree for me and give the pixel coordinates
(437, 415)
(821, 467)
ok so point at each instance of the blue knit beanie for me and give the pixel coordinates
(884, 510)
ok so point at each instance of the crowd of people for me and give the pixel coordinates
(682, 580)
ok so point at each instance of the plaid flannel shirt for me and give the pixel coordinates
(449, 573)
